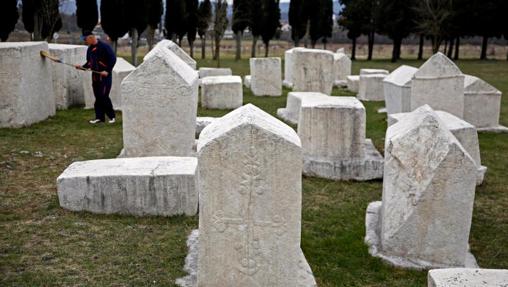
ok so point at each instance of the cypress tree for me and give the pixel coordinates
(41, 18)
(192, 22)
(351, 19)
(256, 26)
(181, 20)
(113, 20)
(87, 14)
(220, 25)
(327, 21)
(136, 20)
(204, 18)
(154, 10)
(396, 18)
(170, 22)
(240, 23)
(8, 18)
(270, 21)
(297, 21)
(315, 19)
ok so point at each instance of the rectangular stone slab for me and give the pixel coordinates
(163, 186)
(221, 92)
(266, 76)
(467, 277)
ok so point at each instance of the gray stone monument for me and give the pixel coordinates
(266, 76)
(221, 92)
(467, 277)
(397, 90)
(313, 71)
(291, 112)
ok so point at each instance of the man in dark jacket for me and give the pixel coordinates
(101, 58)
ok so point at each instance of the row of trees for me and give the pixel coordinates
(440, 21)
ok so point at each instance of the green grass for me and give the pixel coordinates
(44, 245)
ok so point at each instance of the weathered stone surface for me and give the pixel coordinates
(371, 87)
(211, 72)
(26, 83)
(221, 92)
(68, 81)
(332, 131)
(293, 103)
(289, 67)
(313, 71)
(342, 65)
(397, 90)
(465, 133)
(250, 184)
(439, 83)
(482, 104)
(373, 72)
(173, 47)
(428, 195)
(202, 122)
(266, 76)
(246, 81)
(353, 83)
(159, 107)
(341, 51)
(467, 277)
(136, 186)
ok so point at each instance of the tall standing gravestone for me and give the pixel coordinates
(342, 65)
(313, 71)
(266, 78)
(159, 101)
(397, 90)
(250, 189)
(428, 194)
(173, 47)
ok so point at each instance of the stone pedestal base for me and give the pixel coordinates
(283, 114)
(305, 275)
(340, 84)
(496, 129)
(373, 241)
(367, 168)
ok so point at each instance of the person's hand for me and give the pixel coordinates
(104, 74)
(79, 67)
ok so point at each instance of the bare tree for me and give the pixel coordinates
(434, 18)
(220, 24)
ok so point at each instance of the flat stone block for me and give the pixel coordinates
(482, 103)
(397, 90)
(373, 72)
(353, 83)
(26, 83)
(467, 277)
(371, 87)
(266, 76)
(342, 65)
(246, 81)
(211, 72)
(293, 104)
(162, 186)
(221, 92)
(313, 71)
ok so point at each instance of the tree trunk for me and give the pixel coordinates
(37, 35)
(191, 46)
(115, 45)
(445, 47)
(254, 43)
(396, 49)
(150, 37)
(485, 43)
(457, 46)
(436, 43)
(450, 48)
(371, 45)
(238, 55)
(420, 48)
(296, 43)
(134, 46)
(324, 45)
(203, 47)
(353, 49)
(267, 45)
(217, 52)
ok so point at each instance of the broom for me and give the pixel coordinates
(46, 54)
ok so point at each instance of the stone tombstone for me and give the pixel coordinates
(397, 90)
(250, 187)
(342, 65)
(467, 277)
(373, 72)
(202, 122)
(173, 47)
(221, 92)
(266, 76)
(291, 112)
(482, 104)
(121, 70)
(439, 83)
(68, 81)
(341, 51)
(313, 71)
(465, 133)
(159, 102)
(162, 186)
(246, 81)
(332, 131)
(429, 183)
(26, 83)
(289, 67)
(211, 72)
(353, 83)
(371, 87)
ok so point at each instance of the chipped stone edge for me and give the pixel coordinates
(496, 129)
(282, 113)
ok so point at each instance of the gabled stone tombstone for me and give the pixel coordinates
(313, 71)
(439, 83)
(342, 65)
(159, 101)
(266, 78)
(291, 112)
(397, 90)
(428, 195)
(121, 70)
(26, 84)
(332, 130)
(467, 277)
(173, 47)
(482, 104)
(250, 189)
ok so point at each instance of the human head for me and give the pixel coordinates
(89, 38)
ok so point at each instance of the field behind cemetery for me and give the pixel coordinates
(44, 245)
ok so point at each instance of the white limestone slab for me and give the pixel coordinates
(482, 103)
(439, 83)
(289, 68)
(332, 130)
(202, 122)
(266, 76)
(159, 101)
(371, 87)
(373, 72)
(250, 183)
(163, 186)
(353, 83)
(313, 71)
(221, 92)
(397, 90)
(211, 72)
(467, 277)
(173, 47)
(291, 112)
(342, 64)
(428, 195)
(26, 82)
(246, 81)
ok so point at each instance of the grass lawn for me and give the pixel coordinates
(44, 245)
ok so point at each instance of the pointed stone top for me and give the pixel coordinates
(324, 101)
(123, 66)
(245, 116)
(473, 84)
(438, 66)
(401, 76)
(172, 46)
(341, 51)
(422, 116)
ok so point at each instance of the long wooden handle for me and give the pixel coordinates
(46, 54)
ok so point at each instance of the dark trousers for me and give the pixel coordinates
(103, 105)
